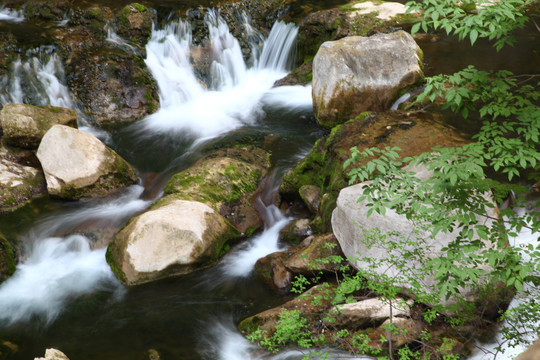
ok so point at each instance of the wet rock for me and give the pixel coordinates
(134, 23)
(368, 313)
(302, 75)
(311, 195)
(413, 132)
(25, 125)
(19, 184)
(326, 25)
(53, 354)
(357, 74)
(228, 181)
(312, 256)
(175, 237)
(296, 231)
(113, 86)
(46, 10)
(352, 227)
(7, 349)
(8, 259)
(312, 304)
(78, 165)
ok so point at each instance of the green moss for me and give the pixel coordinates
(8, 258)
(114, 265)
(139, 7)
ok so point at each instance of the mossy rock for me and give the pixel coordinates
(413, 132)
(113, 86)
(134, 23)
(8, 258)
(226, 180)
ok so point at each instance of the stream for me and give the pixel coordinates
(64, 295)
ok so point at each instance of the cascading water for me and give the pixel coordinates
(234, 94)
(58, 269)
(37, 82)
(65, 266)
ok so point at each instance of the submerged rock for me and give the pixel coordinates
(227, 181)
(358, 74)
(175, 237)
(77, 165)
(24, 125)
(413, 132)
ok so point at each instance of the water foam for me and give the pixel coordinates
(231, 95)
(57, 270)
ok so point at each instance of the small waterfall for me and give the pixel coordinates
(114, 38)
(240, 262)
(10, 15)
(56, 271)
(231, 97)
(36, 82)
(400, 101)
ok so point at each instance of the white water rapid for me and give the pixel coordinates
(10, 15)
(232, 95)
(240, 262)
(58, 269)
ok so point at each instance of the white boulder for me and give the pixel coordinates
(176, 237)
(357, 74)
(76, 165)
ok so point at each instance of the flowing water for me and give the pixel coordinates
(63, 293)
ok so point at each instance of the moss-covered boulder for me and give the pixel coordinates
(413, 132)
(227, 181)
(312, 256)
(77, 165)
(24, 125)
(8, 258)
(134, 23)
(19, 184)
(357, 74)
(175, 237)
(113, 86)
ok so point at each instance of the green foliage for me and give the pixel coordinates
(493, 20)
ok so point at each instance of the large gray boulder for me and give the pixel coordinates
(76, 165)
(357, 74)
(175, 237)
(351, 225)
(25, 125)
